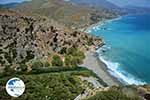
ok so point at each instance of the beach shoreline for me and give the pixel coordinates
(92, 62)
(110, 67)
(106, 70)
(97, 62)
(100, 23)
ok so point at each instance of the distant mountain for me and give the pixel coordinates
(97, 3)
(124, 3)
(136, 10)
(67, 13)
(9, 5)
(114, 5)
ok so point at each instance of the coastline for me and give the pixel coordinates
(104, 67)
(92, 62)
(100, 23)
(123, 79)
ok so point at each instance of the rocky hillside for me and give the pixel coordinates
(23, 38)
(70, 14)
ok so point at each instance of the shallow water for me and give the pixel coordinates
(128, 47)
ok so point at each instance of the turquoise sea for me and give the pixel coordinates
(127, 49)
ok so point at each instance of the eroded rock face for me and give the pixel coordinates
(23, 38)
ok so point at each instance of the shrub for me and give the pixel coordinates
(46, 64)
(37, 64)
(23, 67)
(56, 61)
(8, 70)
(68, 60)
(74, 57)
(72, 51)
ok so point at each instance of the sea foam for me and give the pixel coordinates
(114, 69)
(124, 37)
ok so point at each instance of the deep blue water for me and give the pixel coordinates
(127, 47)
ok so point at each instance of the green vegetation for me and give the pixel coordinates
(56, 61)
(70, 61)
(74, 57)
(62, 83)
(23, 67)
(39, 64)
(72, 70)
(58, 86)
(114, 93)
(7, 71)
(47, 83)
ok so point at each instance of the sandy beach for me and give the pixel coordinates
(98, 67)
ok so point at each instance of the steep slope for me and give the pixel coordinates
(23, 38)
(71, 15)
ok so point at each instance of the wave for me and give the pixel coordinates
(115, 70)
(99, 25)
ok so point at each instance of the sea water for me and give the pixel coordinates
(127, 49)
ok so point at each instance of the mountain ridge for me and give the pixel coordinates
(97, 3)
(74, 16)
(9, 5)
